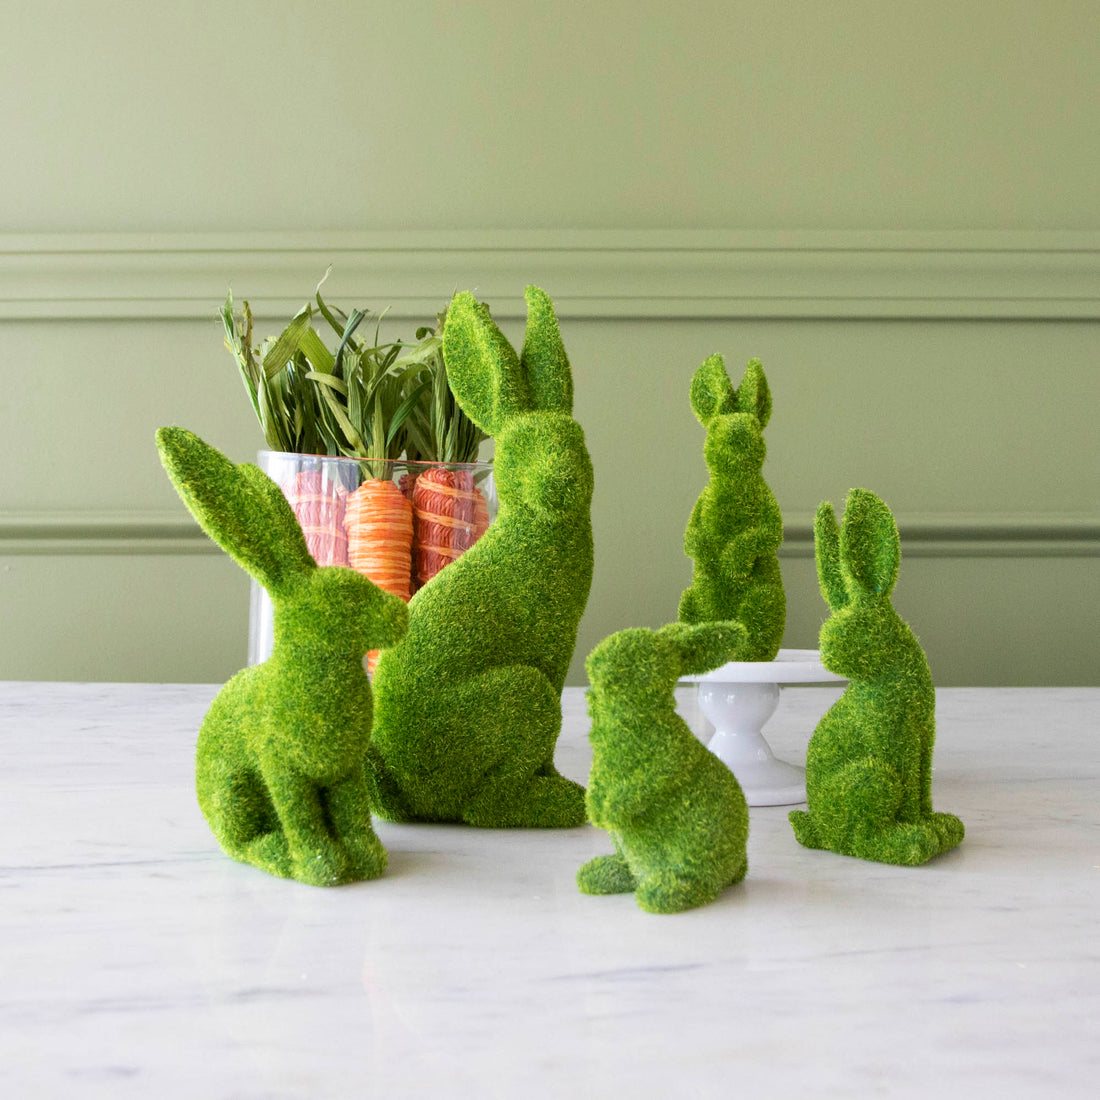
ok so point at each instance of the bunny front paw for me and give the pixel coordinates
(323, 865)
(804, 830)
(667, 892)
(907, 845)
(949, 829)
(349, 810)
(605, 875)
(270, 852)
(326, 864)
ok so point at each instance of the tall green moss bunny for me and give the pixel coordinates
(869, 763)
(675, 812)
(468, 705)
(735, 527)
(281, 751)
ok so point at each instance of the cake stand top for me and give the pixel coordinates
(791, 666)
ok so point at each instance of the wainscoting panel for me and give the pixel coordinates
(954, 374)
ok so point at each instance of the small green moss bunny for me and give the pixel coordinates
(675, 812)
(281, 751)
(468, 705)
(869, 763)
(735, 527)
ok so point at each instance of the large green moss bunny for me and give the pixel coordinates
(279, 762)
(735, 527)
(869, 764)
(468, 705)
(675, 812)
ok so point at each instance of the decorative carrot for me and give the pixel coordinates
(451, 515)
(319, 505)
(379, 524)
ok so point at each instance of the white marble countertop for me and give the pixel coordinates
(137, 961)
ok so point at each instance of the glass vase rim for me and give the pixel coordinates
(360, 460)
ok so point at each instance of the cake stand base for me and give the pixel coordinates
(738, 699)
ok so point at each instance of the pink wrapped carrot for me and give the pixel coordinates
(319, 505)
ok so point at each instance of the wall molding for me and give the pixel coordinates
(96, 533)
(125, 533)
(658, 274)
(932, 536)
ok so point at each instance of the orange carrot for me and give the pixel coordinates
(451, 515)
(379, 524)
(319, 505)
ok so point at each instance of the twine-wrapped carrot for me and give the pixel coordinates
(379, 525)
(451, 515)
(319, 505)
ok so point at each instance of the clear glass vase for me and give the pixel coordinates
(397, 522)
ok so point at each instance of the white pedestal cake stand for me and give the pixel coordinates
(738, 699)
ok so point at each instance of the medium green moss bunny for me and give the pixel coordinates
(675, 812)
(869, 764)
(735, 527)
(468, 705)
(279, 762)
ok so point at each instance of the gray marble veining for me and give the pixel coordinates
(137, 961)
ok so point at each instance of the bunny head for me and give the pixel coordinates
(630, 661)
(734, 419)
(701, 647)
(525, 402)
(644, 665)
(857, 565)
(329, 608)
(335, 609)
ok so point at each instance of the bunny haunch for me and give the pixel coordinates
(869, 764)
(279, 761)
(735, 527)
(468, 704)
(676, 814)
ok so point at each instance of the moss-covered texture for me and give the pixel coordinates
(869, 764)
(735, 528)
(468, 705)
(674, 811)
(281, 752)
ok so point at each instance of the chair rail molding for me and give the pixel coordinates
(935, 536)
(656, 274)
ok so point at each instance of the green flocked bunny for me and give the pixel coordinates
(675, 812)
(281, 751)
(735, 527)
(869, 764)
(468, 705)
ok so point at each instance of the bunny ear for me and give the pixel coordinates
(482, 367)
(712, 392)
(870, 548)
(753, 395)
(545, 364)
(830, 578)
(704, 646)
(239, 507)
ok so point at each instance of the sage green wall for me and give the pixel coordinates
(892, 205)
(272, 114)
